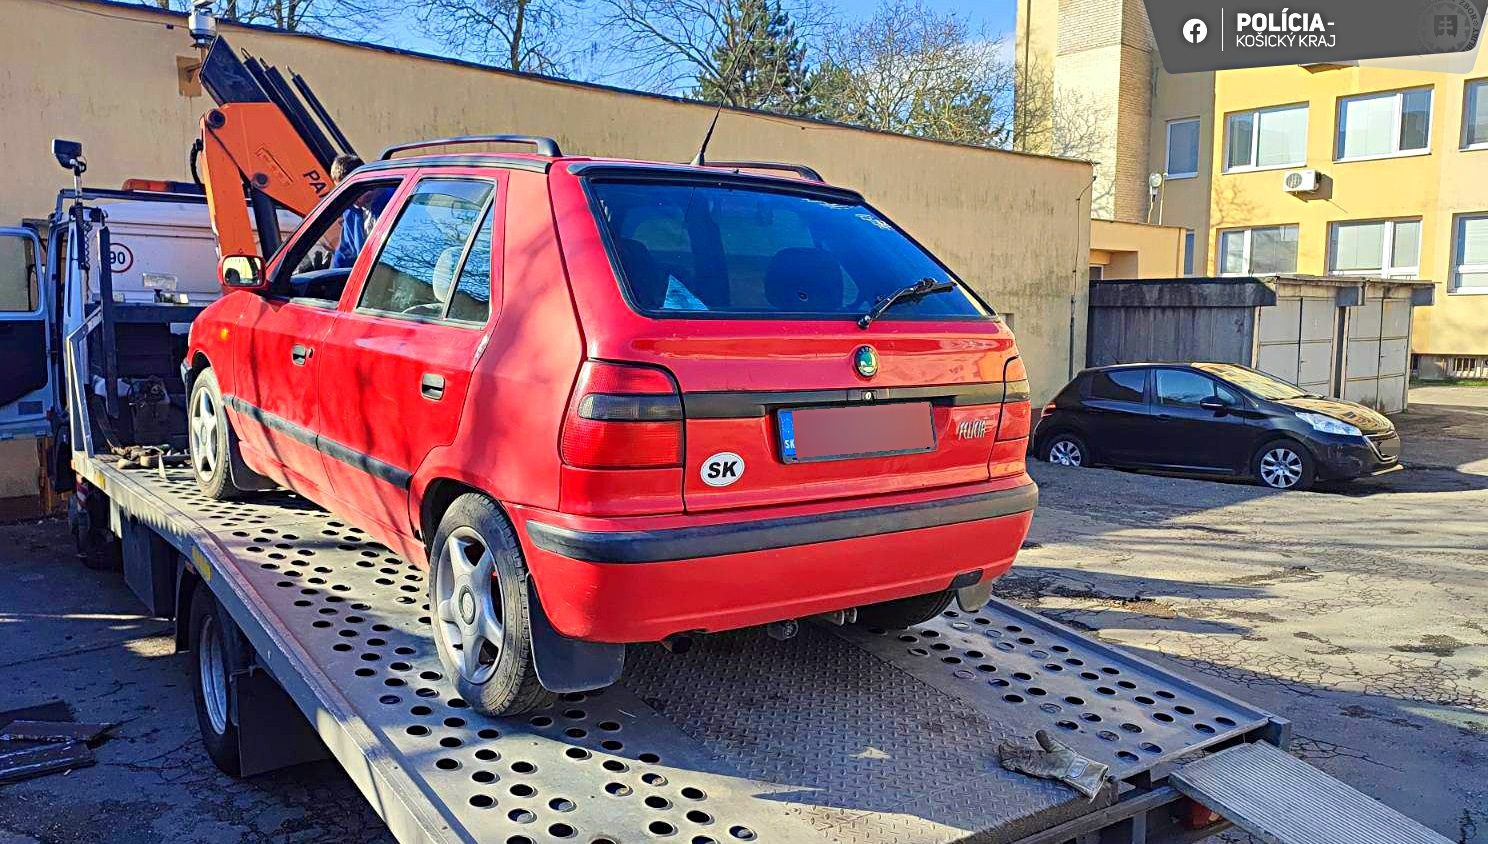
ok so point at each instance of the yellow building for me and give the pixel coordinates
(1337, 169)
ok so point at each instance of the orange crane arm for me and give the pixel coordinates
(254, 143)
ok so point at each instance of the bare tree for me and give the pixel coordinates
(514, 34)
(322, 17)
(741, 52)
(913, 70)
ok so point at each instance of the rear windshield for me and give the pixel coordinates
(689, 249)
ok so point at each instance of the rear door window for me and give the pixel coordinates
(417, 271)
(691, 249)
(1119, 385)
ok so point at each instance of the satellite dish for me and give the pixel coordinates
(1155, 181)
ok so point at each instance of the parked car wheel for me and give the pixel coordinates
(213, 444)
(1066, 450)
(479, 612)
(905, 612)
(1283, 464)
(219, 651)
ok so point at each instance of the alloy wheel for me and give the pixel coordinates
(212, 666)
(204, 434)
(468, 601)
(1066, 453)
(1281, 468)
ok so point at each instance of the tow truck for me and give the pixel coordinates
(839, 733)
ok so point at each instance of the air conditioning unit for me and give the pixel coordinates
(1301, 181)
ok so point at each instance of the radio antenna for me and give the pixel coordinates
(697, 160)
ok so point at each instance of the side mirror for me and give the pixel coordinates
(241, 272)
(1214, 403)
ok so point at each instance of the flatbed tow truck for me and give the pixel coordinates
(839, 734)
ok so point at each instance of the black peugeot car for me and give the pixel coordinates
(1213, 418)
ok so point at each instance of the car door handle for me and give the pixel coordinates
(298, 354)
(1164, 416)
(432, 386)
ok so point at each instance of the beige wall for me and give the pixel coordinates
(1008, 223)
(1184, 202)
(1136, 250)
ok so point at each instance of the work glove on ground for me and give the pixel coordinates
(1055, 761)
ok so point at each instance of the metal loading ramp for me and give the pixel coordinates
(1281, 800)
(839, 735)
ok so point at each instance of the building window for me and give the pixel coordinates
(1097, 272)
(1188, 252)
(1260, 251)
(1183, 149)
(1381, 125)
(1470, 264)
(1384, 248)
(1475, 115)
(1272, 137)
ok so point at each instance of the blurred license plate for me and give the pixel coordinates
(841, 433)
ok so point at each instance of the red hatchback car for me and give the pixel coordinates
(612, 401)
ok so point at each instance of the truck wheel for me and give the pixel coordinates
(905, 612)
(212, 441)
(219, 652)
(478, 603)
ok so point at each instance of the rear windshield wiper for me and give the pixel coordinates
(923, 287)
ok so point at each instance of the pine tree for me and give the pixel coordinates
(760, 63)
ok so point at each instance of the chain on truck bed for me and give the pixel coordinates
(839, 735)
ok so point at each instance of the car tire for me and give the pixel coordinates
(1066, 450)
(212, 443)
(219, 652)
(478, 596)
(905, 612)
(1284, 464)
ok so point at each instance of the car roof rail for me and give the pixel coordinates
(545, 146)
(799, 169)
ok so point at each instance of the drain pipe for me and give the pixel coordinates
(1075, 276)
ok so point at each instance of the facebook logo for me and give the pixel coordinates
(1195, 31)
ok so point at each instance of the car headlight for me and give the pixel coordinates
(1328, 425)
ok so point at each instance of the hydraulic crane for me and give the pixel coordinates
(268, 136)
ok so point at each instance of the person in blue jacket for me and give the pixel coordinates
(357, 221)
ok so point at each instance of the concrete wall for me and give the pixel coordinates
(107, 75)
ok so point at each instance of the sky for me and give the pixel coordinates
(992, 18)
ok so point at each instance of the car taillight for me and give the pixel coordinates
(623, 417)
(1013, 423)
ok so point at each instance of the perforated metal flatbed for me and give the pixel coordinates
(838, 735)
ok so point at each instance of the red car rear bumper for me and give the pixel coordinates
(643, 579)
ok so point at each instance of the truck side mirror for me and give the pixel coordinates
(69, 154)
(241, 272)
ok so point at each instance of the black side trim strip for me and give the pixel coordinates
(659, 546)
(376, 468)
(745, 405)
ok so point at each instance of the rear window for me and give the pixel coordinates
(1118, 384)
(689, 249)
